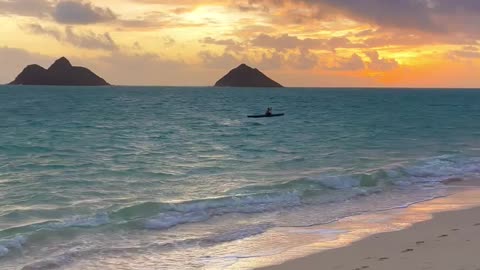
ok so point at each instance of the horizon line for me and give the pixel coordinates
(272, 88)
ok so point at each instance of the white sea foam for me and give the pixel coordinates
(241, 233)
(197, 211)
(170, 219)
(15, 243)
(286, 195)
(3, 251)
(94, 221)
(50, 263)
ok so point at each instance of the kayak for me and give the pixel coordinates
(264, 115)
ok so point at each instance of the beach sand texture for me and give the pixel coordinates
(449, 241)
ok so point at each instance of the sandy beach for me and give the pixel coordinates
(449, 241)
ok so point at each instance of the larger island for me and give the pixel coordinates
(60, 73)
(245, 76)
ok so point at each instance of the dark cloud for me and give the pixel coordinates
(90, 40)
(40, 30)
(30, 8)
(79, 12)
(432, 16)
(86, 40)
(462, 6)
(413, 14)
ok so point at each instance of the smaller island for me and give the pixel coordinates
(245, 76)
(61, 73)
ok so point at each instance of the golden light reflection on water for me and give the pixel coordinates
(301, 242)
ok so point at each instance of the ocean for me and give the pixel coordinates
(180, 178)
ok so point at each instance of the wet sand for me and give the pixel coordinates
(449, 241)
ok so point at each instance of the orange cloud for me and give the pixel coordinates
(307, 42)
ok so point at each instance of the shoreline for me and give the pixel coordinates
(439, 234)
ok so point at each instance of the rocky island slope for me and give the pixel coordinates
(60, 73)
(245, 76)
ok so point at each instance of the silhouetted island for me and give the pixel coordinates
(245, 76)
(60, 73)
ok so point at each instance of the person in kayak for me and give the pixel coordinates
(269, 111)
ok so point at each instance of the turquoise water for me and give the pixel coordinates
(172, 178)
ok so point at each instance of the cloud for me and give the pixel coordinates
(300, 59)
(155, 20)
(225, 60)
(229, 44)
(467, 52)
(449, 6)
(63, 11)
(285, 42)
(86, 39)
(352, 63)
(274, 60)
(280, 43)
(14, 60)
(79, 12)
(429, 16)
(304, 59)
(117, 68)
(182, 10)
(249, 6)
(148, 69)
(413, 14)
(40, 30)
(90, 40)
(380, 64)
(168, 41)
(29, 8)
(403, 14)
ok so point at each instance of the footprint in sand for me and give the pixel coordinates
(478, 224)
(383, 259)
(363, 267)
(454, 230)
(443, 235)
(420, 242)
(407, 250)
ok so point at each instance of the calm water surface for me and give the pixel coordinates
(175, 178)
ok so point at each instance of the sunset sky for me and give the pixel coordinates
(387, 43)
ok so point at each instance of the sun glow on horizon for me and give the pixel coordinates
(341, 44)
